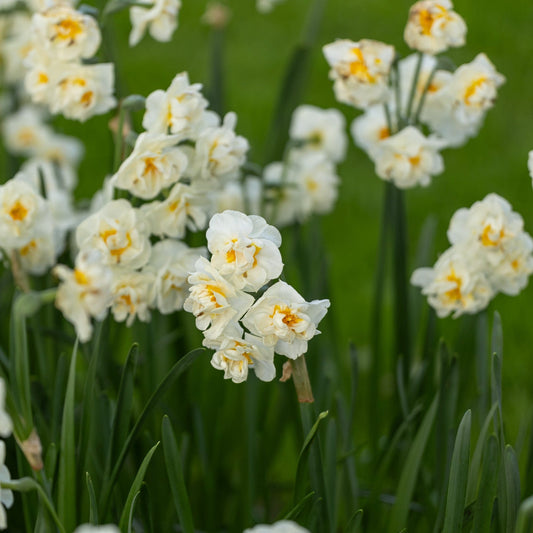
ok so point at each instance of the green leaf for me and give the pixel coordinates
(93, 507)
(512, 487)
(497, 335)
(524, 523)
(301, 507)
(179, 368)
(455, 504)
(134, 490)
(354, 524)
(66, 487)
(404, 494)
(130, 519)
(176, 477)
(488, 486)
(300, 484)
(475, 464)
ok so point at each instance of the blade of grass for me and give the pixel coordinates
(488, 486)
(176, 477)
(66, 486)
(524, 523)
(134, 490)
(301, 507)
(179, 368)
(512, 487)
(455, 504)
(93, 507)
(400, 509)
(354, 524)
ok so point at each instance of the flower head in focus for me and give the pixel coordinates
(433, 27)
(360, 70)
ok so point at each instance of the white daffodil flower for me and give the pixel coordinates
(236, 355)
(132, 295)
(187, 206)
(219, 152)
(360, 71)
(40, 76)
(6, 495)
(456, 284)
(83, 91)
(22, 210)
(171, 262)
(159, 18)
(120, 232)
(370, 128)
(433, 27)
(214, 301)
(284, 206)
(283, 319)
(66, 34)
(39, 254)
(321, 130)
(17, 47)
(25, 132)
(283, 526)
(408, 158)
(231, 196)
(266, 6)
(6, 424)
(178, 110)
(457, 110)
(84, 292)
(530, 164)
(66, 152)
(154, 164)
(245, 249)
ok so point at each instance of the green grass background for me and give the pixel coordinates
(258, 48)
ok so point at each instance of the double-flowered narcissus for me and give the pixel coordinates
(490, 253)
(245, 330)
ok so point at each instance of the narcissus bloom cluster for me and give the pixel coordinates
(404, 98)
(490, 253)
(223, 297)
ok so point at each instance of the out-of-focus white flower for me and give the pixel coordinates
(22, 210)
(154, 164)
(236, 355)
(284, 199)
(283, 526)
(214, 301)
(370, 128)
(530, 164)
(16, 47)
(84, 292)
(65, 33)
(89, 528)
(493, 232)
(187, 206)
(180, 109)
(457, 110)
(83, 91)
(360, 70)
(265, 6)
(456, 284)
(230, 196)
(219, 152)
(132, 295)
(320, 130)
(159, 17)
(37, 256)
(25, 132)
(65, 151)
(171, 262)
(120, 232)
(245, 249)
(6, 424)
(6, 495)
(408, 158)
(283, 319)
(40, 76)
(433, 27)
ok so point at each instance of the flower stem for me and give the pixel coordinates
(413, 88)
(420, 107)
(301, 381)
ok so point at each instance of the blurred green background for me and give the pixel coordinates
(256, 53)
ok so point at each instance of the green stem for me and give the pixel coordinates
(420, 107)
(413, 88)
(397, 98)
(376, 321)
(401, 295)
(26, 484)
(119, 139)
